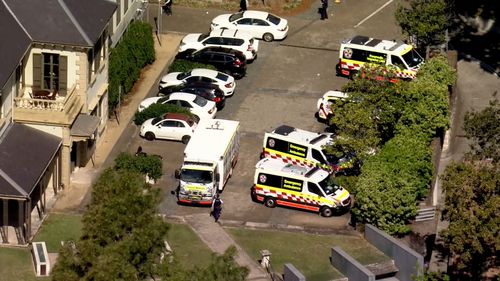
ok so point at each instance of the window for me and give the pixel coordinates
(218, 58)
(274, 19)
(206, 79)
(313, 188)
(396, 61)
(259, 22)
(245, 21)
(193, 79)
(318, 156)
(213, 41)
(169, 123)
(184, 103)
(236, 16)
(50, 71)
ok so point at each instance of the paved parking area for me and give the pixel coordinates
(281, 87)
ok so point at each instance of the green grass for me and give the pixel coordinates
(309, 253)
(57, 228)
(189, 250)
(16, 264)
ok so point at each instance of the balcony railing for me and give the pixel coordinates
(60, 111)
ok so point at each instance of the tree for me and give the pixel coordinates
(425, 19)
(472, 206)
(483, 128)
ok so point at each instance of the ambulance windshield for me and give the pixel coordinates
(329, 186)
(197, 176)
(412, 58)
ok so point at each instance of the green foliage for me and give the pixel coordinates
(425, 19)
(483, 128)
(392, 181)
(158, 110)
(223, 267)
(472, 206)
(180, 65)
(150, 165)
(126, 60)
(438, 69)
(432, 276)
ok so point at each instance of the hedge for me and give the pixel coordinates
(150, 165)
(181, 65)
(157, 110)
(126, 60)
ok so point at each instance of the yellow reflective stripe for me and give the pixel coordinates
(353, 61)
(406, 50)
(310, 197)
(288, 155)
(195, 188)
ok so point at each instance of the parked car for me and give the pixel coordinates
(197, 105)
(261, 25)
(171, 126)
(232, 39)
(325, 103)
(206, 90)
(225, 82)
(226, 60)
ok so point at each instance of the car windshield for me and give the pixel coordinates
(329, 186)
(162, 100)
(196, 176)
(222, 76)
(274, 19)
(236, 16)
(202, 37)
(183, 75)
(412, 58)
(200, 101)
(156, 120)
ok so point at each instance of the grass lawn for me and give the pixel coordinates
(309, 253)
(57, 228)
(16, 264)
(187, 246)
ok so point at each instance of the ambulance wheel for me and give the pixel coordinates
(329, 119)
(268, 37)
(270, 202)
(185, 139)
(150, 136)
(326, 212)
(353, 74)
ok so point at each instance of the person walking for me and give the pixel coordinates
(216, 207)
(167, 7)
(243, 5)
(324, 9)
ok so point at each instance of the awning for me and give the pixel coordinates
(84, 127)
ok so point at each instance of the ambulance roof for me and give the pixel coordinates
(377, 44)
(303, 136)
(277, 166)
(210, 139)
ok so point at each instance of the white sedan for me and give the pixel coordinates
(261, 25)
(197, 105)
(223, 81)
(172, 126)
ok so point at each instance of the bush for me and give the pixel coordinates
(126, 60)
(157, 110)
(150, 165)
(180, 65)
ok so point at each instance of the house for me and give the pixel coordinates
(54, 101)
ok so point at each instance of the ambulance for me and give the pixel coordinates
(209, 159)
(305, 148)
(277, 183)
(357, 51)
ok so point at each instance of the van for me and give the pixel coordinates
(357, 51)
(277, 183)
(303, 147)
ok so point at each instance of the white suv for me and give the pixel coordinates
(232, 39)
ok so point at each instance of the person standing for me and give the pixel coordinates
(217, 207)
(167, 7)
(243, 5)
(324, 9)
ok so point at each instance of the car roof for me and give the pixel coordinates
(204, 72)
(177, 116)
(336, 94)
(181, 96)
(199, 84)
(235, 33)
(255, 14)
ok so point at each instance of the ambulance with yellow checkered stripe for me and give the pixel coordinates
(402, 58)
(285, 184)
(301, 147)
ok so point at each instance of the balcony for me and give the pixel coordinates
(60, 111)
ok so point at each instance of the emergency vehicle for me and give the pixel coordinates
(303, 147)
(307, 188)
(357, 51)
(325, 103)
(209, 159)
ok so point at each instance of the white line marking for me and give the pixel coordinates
(372, 14)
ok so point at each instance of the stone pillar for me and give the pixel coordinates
(66, 158)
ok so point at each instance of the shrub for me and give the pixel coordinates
(150, 165)
(157, 110)
(180, 65)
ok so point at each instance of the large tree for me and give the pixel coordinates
(472, 206)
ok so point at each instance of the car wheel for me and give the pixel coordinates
(326, 212)
(185, 139)
(353, 74)
(270, 202)
(150, 136)
(268, 37)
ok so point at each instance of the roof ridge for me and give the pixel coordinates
(17, 20)
(75, 22)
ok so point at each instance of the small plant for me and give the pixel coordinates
(157, 110)
(150, 165)
(180, 65)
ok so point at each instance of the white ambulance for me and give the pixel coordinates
(306, 188)
(209, 159)
(357, 51)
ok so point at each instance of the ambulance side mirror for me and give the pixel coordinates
(177, 174)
